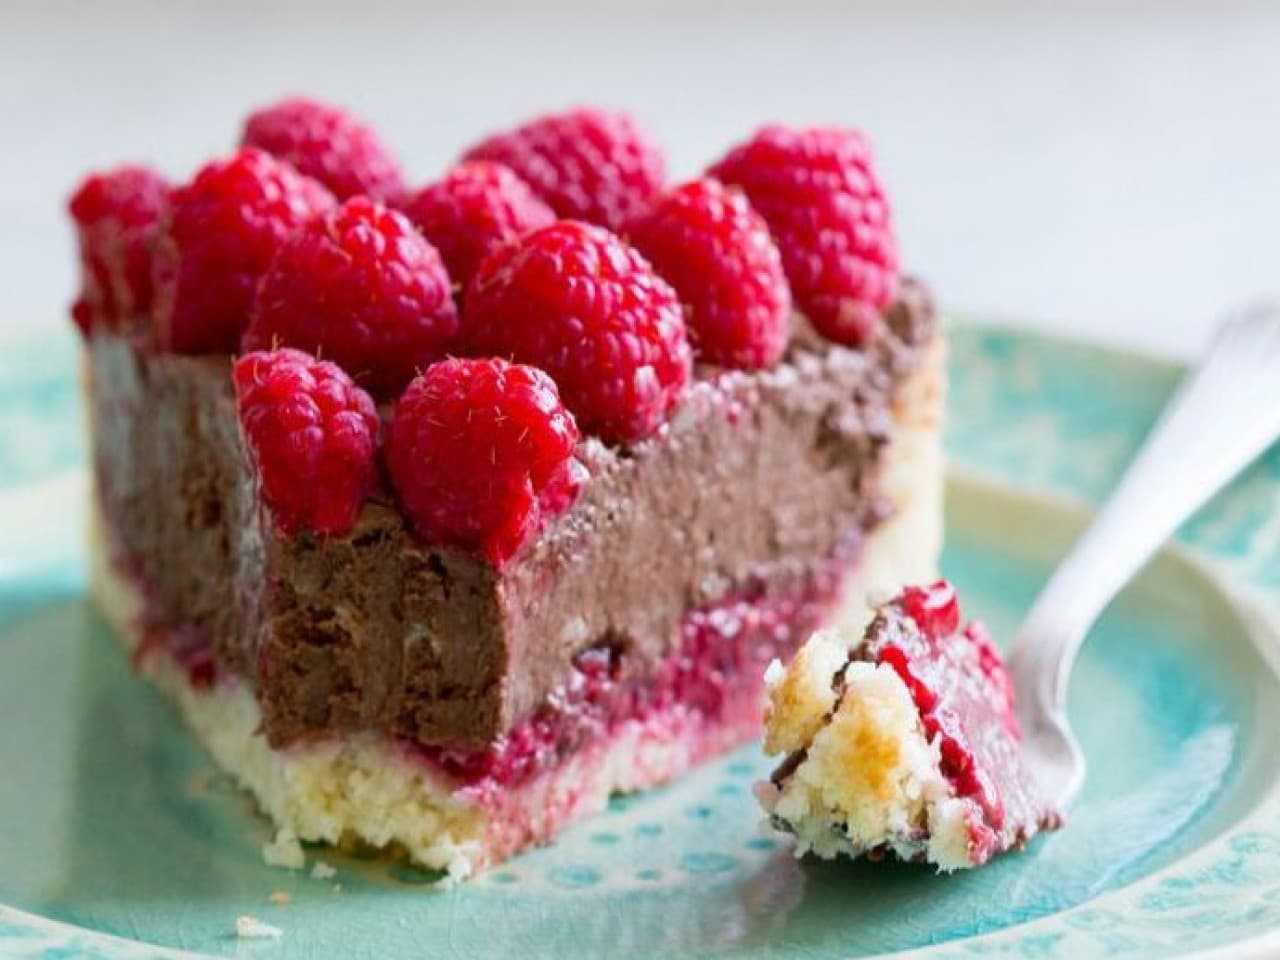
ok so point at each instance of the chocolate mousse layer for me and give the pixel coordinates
(758, 481)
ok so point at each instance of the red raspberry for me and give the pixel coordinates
(116, 214)
(820, 194)
(586, 164)
(329, 144)
(481, 452)
(362, 287)
(223, 229)
(934, 608)
(475, 209)
(313, 435)
(707, 242)
(578, 302)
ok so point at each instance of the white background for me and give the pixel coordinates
(1109, 169)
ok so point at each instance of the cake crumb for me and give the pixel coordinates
(284, 851)
(251, 928)
(802, 694)
(322, 871)
(280, 898)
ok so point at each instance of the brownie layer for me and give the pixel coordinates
(758, 481)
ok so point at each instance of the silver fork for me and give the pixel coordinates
(1223, 415)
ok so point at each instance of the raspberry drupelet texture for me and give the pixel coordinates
(474, 209)
(481, 454)
(587, 308)
(587, 164)
(223, 229)
(362, 287)
(705, 240)
(116, 215)
(328, 144)
(313, 436)
(819, 192)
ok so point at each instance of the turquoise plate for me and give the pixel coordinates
(118, 840)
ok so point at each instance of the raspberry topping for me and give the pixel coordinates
(116, 214)
(481, 452)
(578, 302)
(476, 208)
(708, 243)
(223, 229)
(329, 144)
(592, 165)
(819, 192)
(362, 287)
(313, 435)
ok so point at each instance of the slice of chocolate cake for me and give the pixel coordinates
(903, 742)
(453, 604)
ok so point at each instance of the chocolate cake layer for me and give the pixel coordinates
(758, 480)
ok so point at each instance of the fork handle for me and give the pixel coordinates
(1223, 415)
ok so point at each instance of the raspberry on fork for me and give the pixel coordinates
(116, 215)
(474, 209)
(362, 287)
(481, 453)
(819, 192)
(587, 164)
(578, 302)
(222, 231)
(313, 435)
(706, 241)
(328, 144)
